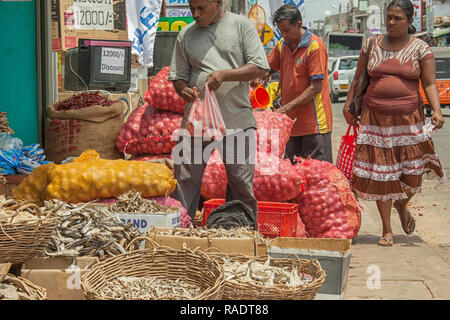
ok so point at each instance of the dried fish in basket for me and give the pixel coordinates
(158, 273)
(132, 202)
(17, 288)
(267, 278)
(200, 232)
(25, 230)
(86, 230)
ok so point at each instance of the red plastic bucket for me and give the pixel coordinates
(259, 98)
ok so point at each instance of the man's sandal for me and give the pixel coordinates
(385, 242)
(410, 225)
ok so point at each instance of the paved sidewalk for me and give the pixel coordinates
(411, 269)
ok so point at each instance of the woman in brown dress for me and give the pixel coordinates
(393, 152)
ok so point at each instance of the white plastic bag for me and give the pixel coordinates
(205, 118)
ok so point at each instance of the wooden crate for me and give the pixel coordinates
(12, 181)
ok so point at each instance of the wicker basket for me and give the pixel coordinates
(40, 292)
(161, 262)
(250, 291)
(22, 241)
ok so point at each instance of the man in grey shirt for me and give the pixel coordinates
(221, 50)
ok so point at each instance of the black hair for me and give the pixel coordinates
(288, 12)
(408, 9)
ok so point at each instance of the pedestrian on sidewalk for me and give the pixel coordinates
(223, 51)
(394, 154)
(302, 60)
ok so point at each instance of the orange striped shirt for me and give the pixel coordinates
(297, 68)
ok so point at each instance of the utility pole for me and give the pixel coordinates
(354, 26)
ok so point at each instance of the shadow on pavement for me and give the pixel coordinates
(403, 240)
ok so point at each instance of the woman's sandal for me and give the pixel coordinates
(385, 242)
(410, 225)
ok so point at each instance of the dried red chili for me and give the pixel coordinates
(83, 100)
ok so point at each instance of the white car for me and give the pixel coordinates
(341, 75)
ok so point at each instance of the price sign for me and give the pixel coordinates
(93, 16)
(113, 61)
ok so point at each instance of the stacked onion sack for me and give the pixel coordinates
(149, 132)
(275, 179)
(327, 207)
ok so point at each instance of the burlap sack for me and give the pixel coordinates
(68, 133)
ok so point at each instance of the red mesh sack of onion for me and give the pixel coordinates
(327, 206)
(274, 131)
(275, 179)
(161, 93)
(148, 131)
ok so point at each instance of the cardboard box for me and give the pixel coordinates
(88, 20)
(61, 69)
(333, 255)
(55, 20)
(143, 222)
(61, 276)
(247, 246)
(139, 80)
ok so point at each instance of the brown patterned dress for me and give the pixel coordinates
(393, 152)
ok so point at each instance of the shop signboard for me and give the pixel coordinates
(173, 24)
(171, 3)
(178, 12)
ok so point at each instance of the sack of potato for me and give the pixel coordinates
(89, 178)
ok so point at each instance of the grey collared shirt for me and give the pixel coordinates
(228, 44)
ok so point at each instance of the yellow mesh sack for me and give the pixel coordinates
(87, 155)
(96, 179)
(33, 186)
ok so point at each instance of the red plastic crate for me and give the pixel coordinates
(275, 219)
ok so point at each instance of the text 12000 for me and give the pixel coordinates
(90, 19)
(114, 53)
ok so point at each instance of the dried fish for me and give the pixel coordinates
(132, 202)
(85, 230)
(246, 232)
(263, 274)
(140, 288)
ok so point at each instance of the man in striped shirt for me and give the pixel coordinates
(302, 60)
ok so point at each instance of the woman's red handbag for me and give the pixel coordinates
(346, 154)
